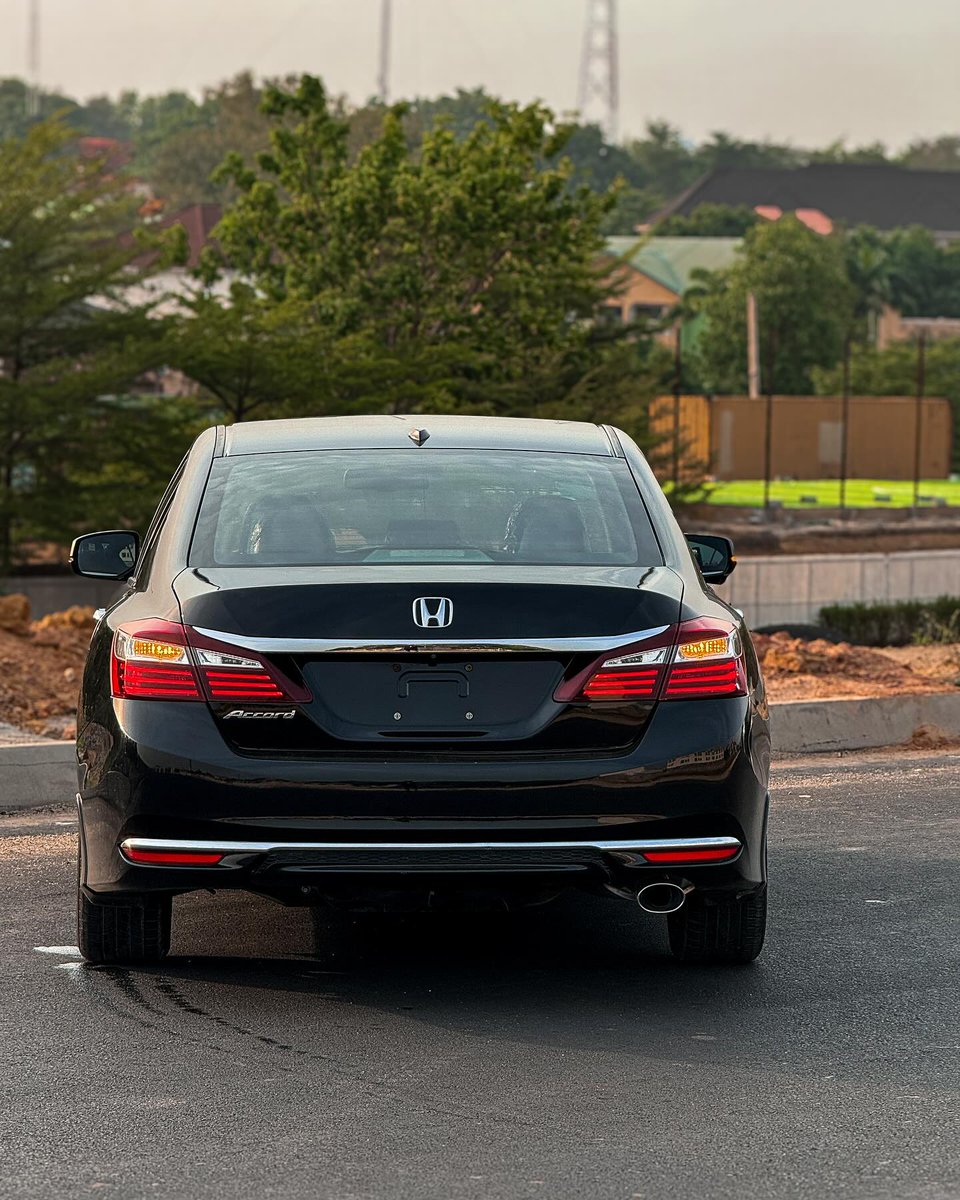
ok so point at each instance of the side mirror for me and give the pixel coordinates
(714, 555)
(109, 555)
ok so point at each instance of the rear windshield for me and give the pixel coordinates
(328, 508)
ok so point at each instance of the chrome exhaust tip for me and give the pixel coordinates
(662, 898)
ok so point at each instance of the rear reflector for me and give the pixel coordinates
(711, 854)
(170, 858)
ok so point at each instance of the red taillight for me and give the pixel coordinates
(695, 660)
(150, 661)
(717, 679)
(169, 858)
(241, 685)
(163, 660)
(160, 682)
(712, 854)
(624, 684)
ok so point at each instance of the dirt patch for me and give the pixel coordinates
(800, 670)
(40, 671)
(932, 737)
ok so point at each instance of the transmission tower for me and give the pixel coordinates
(383, 77)
(33, 59)
(599, 97)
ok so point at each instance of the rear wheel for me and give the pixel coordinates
(721, 930)
(126, 929)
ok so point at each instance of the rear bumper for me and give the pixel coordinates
(310, 867)
(289, 824)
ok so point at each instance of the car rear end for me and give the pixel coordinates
(383, 682)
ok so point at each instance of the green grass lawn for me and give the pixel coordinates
(861, 493)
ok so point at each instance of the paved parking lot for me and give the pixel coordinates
(557, 1054)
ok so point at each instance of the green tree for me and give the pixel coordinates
(665, 161)
(183, 153)
(459, 274)
(804, 300)
(253, 358)
(722, 150)
(69, 341)
(937, 154)
(870, 271)
(840, 152)
(710, 220)
(925, 277)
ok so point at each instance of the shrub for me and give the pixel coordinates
(902, 623)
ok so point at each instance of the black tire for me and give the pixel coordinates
(719, 930)
(125, 929)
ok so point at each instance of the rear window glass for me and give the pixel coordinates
(393, 506)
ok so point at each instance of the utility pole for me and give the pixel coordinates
(753, 348)
(383, 78)
(918, 421)
(845, 422)
(599, 93)
(33, 59)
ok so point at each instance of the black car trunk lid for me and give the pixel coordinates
(400, 662)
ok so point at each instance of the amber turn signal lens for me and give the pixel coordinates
(707, 648)
(161, 651)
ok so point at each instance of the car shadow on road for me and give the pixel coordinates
(580, 963)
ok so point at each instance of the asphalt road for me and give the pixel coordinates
(557, 1054)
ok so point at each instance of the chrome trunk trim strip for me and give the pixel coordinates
(266, 645)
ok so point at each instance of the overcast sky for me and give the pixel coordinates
(807, 71)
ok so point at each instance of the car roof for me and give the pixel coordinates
(394, 432)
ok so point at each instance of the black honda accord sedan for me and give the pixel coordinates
(403, 663)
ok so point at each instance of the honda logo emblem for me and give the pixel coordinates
(432, 612)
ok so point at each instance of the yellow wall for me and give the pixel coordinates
(728, 433)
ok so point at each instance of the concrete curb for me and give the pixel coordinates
(812, 726)
(40, 773)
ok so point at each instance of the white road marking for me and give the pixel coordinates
(64, 951)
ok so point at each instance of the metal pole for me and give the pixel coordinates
(33, 59)
(753, 349)
(918, 425)
(845, 424)
(768, 452)
(383, 77)
(677, 389)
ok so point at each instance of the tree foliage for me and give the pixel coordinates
(69, 340)
(805, 303)
(710, 220)
(924, 277)
(460, 274)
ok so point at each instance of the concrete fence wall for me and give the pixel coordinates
(793, 588)
(53, 593)
(780, 588)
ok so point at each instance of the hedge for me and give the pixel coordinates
(902, 623)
